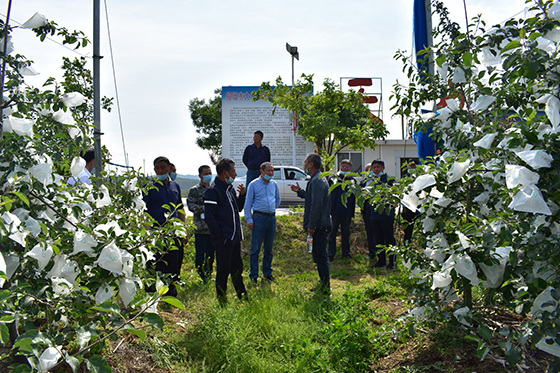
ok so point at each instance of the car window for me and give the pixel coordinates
(277, 174)
(292, 174)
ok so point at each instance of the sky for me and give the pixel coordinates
(166, 53)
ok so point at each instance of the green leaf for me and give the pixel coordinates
(473, 337)
(139, 333)
(441, 60)
(23, 197)
(6, 319)
(23, 342)
(485, 332)
(20, 368)
(4, 334)
(511, 45)
(468, 59)
(98, 364)
(107, 307)
(174, 302)
(155, 320)
(482, 350)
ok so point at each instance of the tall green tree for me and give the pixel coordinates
(207, 119)
(331, 119)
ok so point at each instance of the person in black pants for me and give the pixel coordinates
(341, 215)
(382, 223)
(316, 217)
(222, 206)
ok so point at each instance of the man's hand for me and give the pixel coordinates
(311, 231)
(251, 226)
(241, 189)
(295, 187)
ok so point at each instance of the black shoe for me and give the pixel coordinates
(255, 281)
(172, 292)
(331, 258)
(269, 278)
(349, 256)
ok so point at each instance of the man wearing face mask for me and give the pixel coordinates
(263, 198)
(341, 215)
(381, 222)
(172, 171)
(222, 206)
(316, 217)
(204, 251)
(166, 192)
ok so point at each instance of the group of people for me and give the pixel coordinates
(216, 207)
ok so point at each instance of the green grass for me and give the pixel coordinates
(287, 328)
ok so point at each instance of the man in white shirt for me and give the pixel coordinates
(88, 171)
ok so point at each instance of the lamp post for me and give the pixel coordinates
(293, 51)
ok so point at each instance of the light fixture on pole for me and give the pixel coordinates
(293, 51)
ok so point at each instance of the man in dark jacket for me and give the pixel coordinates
(341, 215)
(382, 222)
(255, 155)
(222, 206)
(166, 192)
(316, 217)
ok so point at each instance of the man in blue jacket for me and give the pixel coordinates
(341, 215)
(316, 217)
(222, 206)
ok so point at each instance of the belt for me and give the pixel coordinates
(265, 213)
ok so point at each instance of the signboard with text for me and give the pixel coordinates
(241, 117)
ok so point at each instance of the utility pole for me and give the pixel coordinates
(96, 90)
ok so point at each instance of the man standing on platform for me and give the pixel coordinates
(263, 198)
(341, 215)
(316, 217)
(222, 206)
(204, 252)
(255, 155)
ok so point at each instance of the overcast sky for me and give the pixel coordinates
(169, 52)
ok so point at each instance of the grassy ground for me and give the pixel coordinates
(287, 328)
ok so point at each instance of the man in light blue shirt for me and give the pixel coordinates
(263, 198)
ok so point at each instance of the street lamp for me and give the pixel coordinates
(295, 54)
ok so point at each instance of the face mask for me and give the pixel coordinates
(207, 179)
(93, 171)
(162, 177)
(173, 175)
(306, 171)
(344, 173)
(268, 178)
(229, 180)
(379, 174)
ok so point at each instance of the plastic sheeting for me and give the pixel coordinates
(458, 170)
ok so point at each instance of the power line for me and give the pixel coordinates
(115, 82)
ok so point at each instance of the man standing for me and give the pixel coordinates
(222, 208)
(255, 155)
(204, 251)
(166, 192)
(172, 171)
(88, 171)
(263, 198)
(381, 222)
(341, 215)
(366, 212)
(316, 217)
